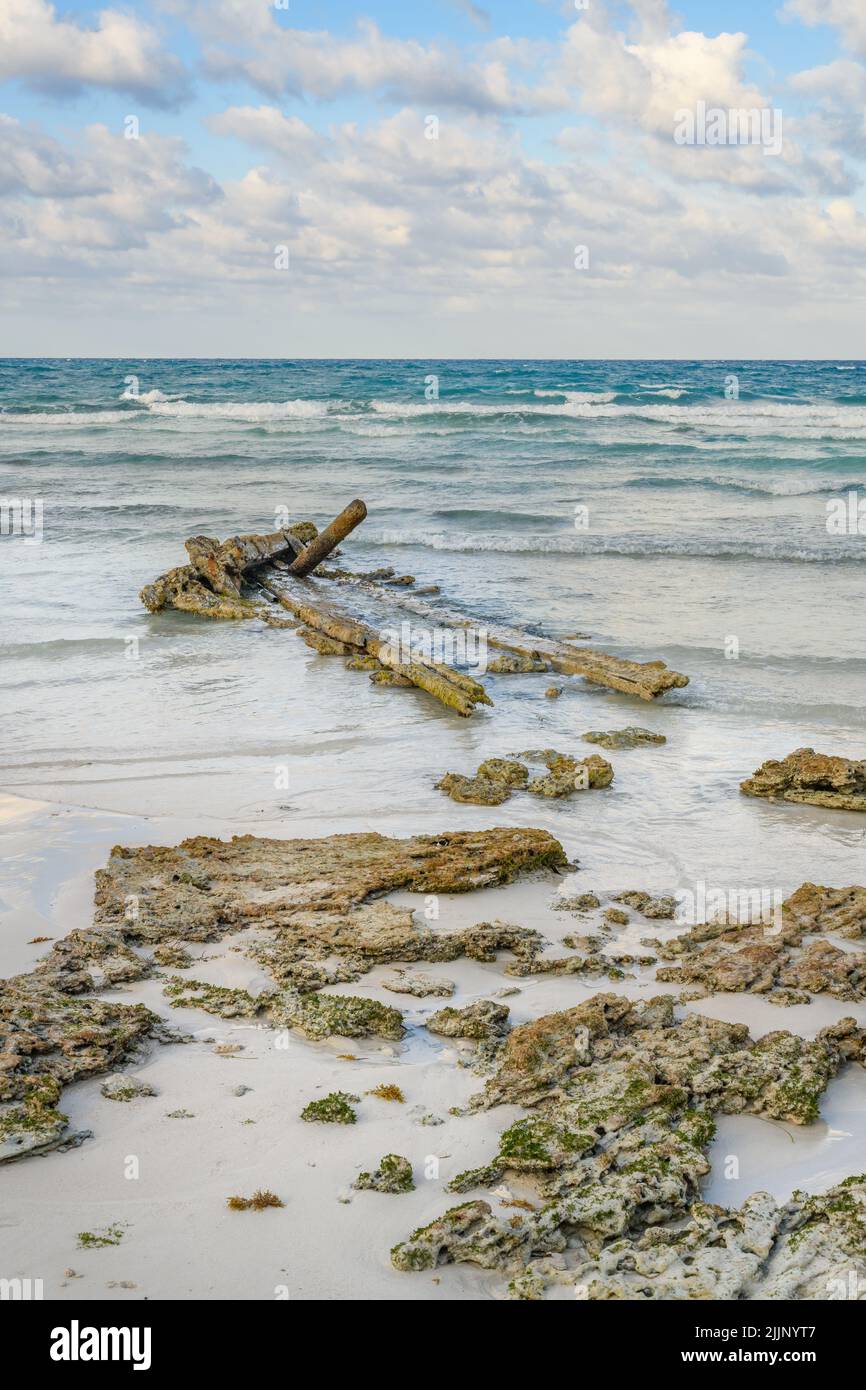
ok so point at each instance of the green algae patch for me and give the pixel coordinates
(333, 1109)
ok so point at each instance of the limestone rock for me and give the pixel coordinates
(816, 778)
(478, 791)
(123, 1086)
(646, 904)
(631, 737)
(483, 1019)
(419, 985)
(622, 1098)
(394, 1174)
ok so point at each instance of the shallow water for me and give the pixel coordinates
(706, 545)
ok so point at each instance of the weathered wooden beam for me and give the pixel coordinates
(453, 688)
(326, 541)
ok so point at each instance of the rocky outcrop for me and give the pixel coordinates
(496, 778)
(622, 1098)
(839, 784)
(771, 958)
(308, 900)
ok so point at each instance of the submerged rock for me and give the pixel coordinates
(631, 737)
(517, 663)
(815, 778)
(394, 1174)
(567, 775)
(646, 904)
(478, 791)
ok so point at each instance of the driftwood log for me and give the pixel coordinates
(241, 577)
(321, 546)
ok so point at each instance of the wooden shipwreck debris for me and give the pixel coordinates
(245, 576)
(322, 545)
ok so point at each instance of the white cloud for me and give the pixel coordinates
(848, 16)
(387, 226)
(266, 127)
(57, 56)
(244, 40)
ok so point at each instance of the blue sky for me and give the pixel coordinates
(262, 127)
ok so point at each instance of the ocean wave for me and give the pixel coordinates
(744, 418)
(779, 487)
(251, 411)
(637, 547)
(580, 397)
(732, 416)
(67, 418)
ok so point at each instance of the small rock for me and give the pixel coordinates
(123, 1086)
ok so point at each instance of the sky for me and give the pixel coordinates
(462, 178)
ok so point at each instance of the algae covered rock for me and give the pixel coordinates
(577, 902)
(122, 1086)
(818, 779)
(623, 1098)
(35, 1125)
(321, 1015)
(646, 904)
(172, 954)
(567, 775)
(333, 1109)
(769, 958)
(302, 902)
(507, 770)
(213, 999)
(483, 1019)
(394, 1174)
(631, 737)
(478, 791)
(813, 908)
(517, 663)
(419, 985)
(198, 890)
(468, 1232)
